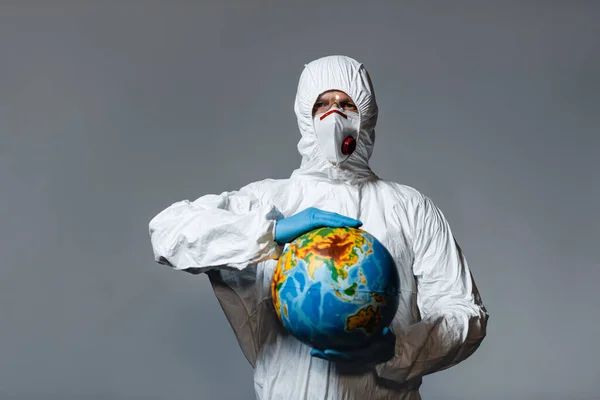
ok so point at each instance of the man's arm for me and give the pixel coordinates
(454, 319)
(232, 229)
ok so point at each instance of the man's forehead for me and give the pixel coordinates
(333, 93)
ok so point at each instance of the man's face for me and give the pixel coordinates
(333, 98)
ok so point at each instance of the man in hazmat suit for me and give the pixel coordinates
(236, 238)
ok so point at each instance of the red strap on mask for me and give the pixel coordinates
(331, 112)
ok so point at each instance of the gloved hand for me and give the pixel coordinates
(290, 228)
(380, 350)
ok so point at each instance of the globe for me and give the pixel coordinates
(335, 288)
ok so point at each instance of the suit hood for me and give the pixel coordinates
(347, 75)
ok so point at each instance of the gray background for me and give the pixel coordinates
(110, 112)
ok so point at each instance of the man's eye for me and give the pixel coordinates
(318, 105)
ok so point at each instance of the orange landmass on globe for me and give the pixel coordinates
(278, 278)
(379, 298)
(366, 318)
(340, 246)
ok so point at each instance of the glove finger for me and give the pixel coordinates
(338, 354)
(318, 354)
(338, 221)
(335, 218)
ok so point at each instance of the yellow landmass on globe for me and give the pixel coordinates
(288, 260)
(278, 278)
(363, 279)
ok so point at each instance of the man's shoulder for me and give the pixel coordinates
(264, 185)
(412, 205)
(403, 193)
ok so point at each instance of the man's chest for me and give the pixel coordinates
(371, 204)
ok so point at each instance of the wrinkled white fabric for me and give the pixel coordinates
(440, 320)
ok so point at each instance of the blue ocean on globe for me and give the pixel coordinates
(335, 288)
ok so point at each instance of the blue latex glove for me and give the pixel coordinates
(380, 350)
(290, 228)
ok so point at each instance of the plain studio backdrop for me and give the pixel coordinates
(112, 111)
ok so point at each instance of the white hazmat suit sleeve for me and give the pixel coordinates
(233, 229)
(453, 318)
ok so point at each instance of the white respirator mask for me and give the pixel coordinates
(337, 131)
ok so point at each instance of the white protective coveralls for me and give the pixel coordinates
(440, 320)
